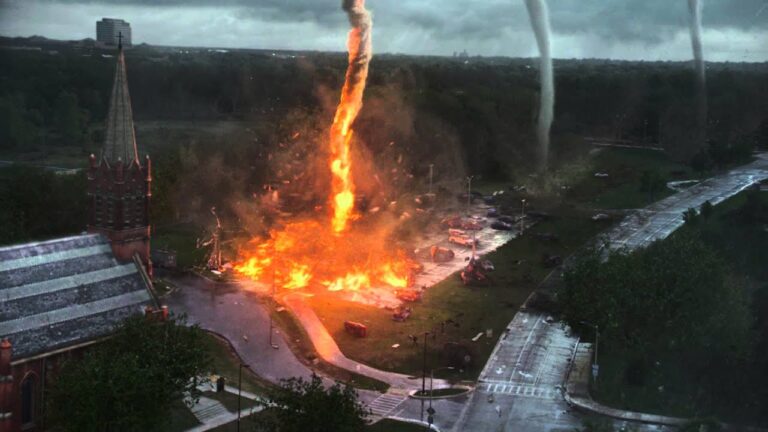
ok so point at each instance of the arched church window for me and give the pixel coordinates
(28, 400)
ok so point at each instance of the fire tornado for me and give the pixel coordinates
(359, 46)
(330, 253)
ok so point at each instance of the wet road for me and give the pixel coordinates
(241, 317)
(660, 219)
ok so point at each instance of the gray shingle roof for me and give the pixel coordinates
(64, 292)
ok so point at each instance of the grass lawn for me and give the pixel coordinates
(302, 346)
(226, 363)
(180, 418)
(474, 309)
(181, 239)
(621, 189)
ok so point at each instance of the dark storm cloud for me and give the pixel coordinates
(652, 28)
(651, 21)
(632, 19)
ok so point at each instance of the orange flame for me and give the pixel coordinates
(299, 277)
(350, 282)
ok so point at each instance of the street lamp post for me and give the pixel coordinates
(424, 375)
(431, 411)
(239, 391)
(522, 216)
(431, 170)
(595, 364)
(269, 312)
(469, 194)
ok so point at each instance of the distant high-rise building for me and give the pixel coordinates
(108, 31)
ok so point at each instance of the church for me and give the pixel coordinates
(58, 297)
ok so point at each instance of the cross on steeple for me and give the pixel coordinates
(120, 40)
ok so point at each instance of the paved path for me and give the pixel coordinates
(212, 413)
(327, 348)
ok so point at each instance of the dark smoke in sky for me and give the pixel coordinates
(539, 14)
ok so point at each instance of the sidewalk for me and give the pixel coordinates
(212, 413)
(329, 351)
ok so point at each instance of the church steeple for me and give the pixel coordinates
(119, 184)
(120, 142)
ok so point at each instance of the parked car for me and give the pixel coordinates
(451, 222)
(463, 240)
(501, 226)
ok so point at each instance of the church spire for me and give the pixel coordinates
(120, 142)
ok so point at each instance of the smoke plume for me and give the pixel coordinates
(537, 10)
(694, 8)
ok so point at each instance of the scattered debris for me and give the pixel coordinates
(601, 217)
(356, 329)
(472, 273)
(401, 314)
(408, 295)
(487, 265)
(551, 260)
(477, 337)
(396, 346)
(601, 175)
(441, 254)
(547, 237)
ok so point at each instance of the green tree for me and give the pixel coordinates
(69, 120)
(673, 295)
(706, 209)
(652, 182)
(16, 129)
(691, 216)
(298, 405)
(129, 382)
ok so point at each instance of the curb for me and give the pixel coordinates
(467, 390)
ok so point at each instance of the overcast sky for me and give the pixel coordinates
(734, 30)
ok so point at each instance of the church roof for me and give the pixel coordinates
(64, 292)
(120, 139)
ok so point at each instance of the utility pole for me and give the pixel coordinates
(424, 375)
(239, 391)
(431, 171)
(469, 194)
(269, 312)
(595, 364)
(522, 216)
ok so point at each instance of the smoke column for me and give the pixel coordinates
(359, 46)
(537, 10)
(694, 8)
